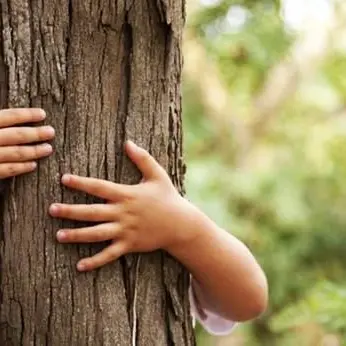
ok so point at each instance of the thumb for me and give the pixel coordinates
(148, 166)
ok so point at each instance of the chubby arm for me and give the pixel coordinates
(152, 215)
(227, 280)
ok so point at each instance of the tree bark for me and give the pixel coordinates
(104, 71)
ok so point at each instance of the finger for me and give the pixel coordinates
(8, 170)
(84, 212)
(24, 153)
(148, 166)
(96, 187)
(15, 116)
(107, 255)
(98, 233)
(23, 135)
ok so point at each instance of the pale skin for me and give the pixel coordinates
(145, 217)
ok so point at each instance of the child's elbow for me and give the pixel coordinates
(255, 303)
(256, 307)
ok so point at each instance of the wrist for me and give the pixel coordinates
(190, 227)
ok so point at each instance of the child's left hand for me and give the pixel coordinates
(137, 218)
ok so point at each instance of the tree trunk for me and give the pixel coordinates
(104, 71)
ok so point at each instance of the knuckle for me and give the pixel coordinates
(146, 157)
(71, 235)
(125, 248)
(130, 195)
(162, 171)
(128, 216)
(39, 133)
(113, 253)
(97, 236)
(34, 112)
(12, 169)
(20, 153)
(143, 154)
(90, 264)
(128, 198)
(36, 152)
(21, 134)
(9, 112)
(65, 210)
(132, 239)
(93, 212)
(96, 188)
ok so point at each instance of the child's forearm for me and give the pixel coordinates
(228, 279)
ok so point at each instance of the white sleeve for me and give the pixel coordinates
(210, 321)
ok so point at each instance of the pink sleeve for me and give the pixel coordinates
(210, 321)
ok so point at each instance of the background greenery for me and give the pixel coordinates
(265, 124)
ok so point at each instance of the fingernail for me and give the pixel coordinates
(33, 165)
(66, 178)
(47, 148)
(81, 266)
(53, 209)
(49, 130)
(131, 144)
(61, 235)
(42, 113)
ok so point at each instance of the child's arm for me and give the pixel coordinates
(226, 278)
(18, 151)
(152, 215)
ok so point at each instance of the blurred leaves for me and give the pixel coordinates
(324, 305)
(286, 195)
(334, 70)
(245, 37)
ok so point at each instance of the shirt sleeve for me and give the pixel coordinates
(211, 322)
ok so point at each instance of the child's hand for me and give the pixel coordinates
(137, 218)
(152, 215)
(16, 157)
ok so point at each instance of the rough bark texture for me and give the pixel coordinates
(104, 71)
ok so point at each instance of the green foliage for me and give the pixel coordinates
(334, 69)
(245, 40)
(287, 202)
(324, 304)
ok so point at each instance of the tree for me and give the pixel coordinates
(104, 71)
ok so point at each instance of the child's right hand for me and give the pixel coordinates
(18, 144)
